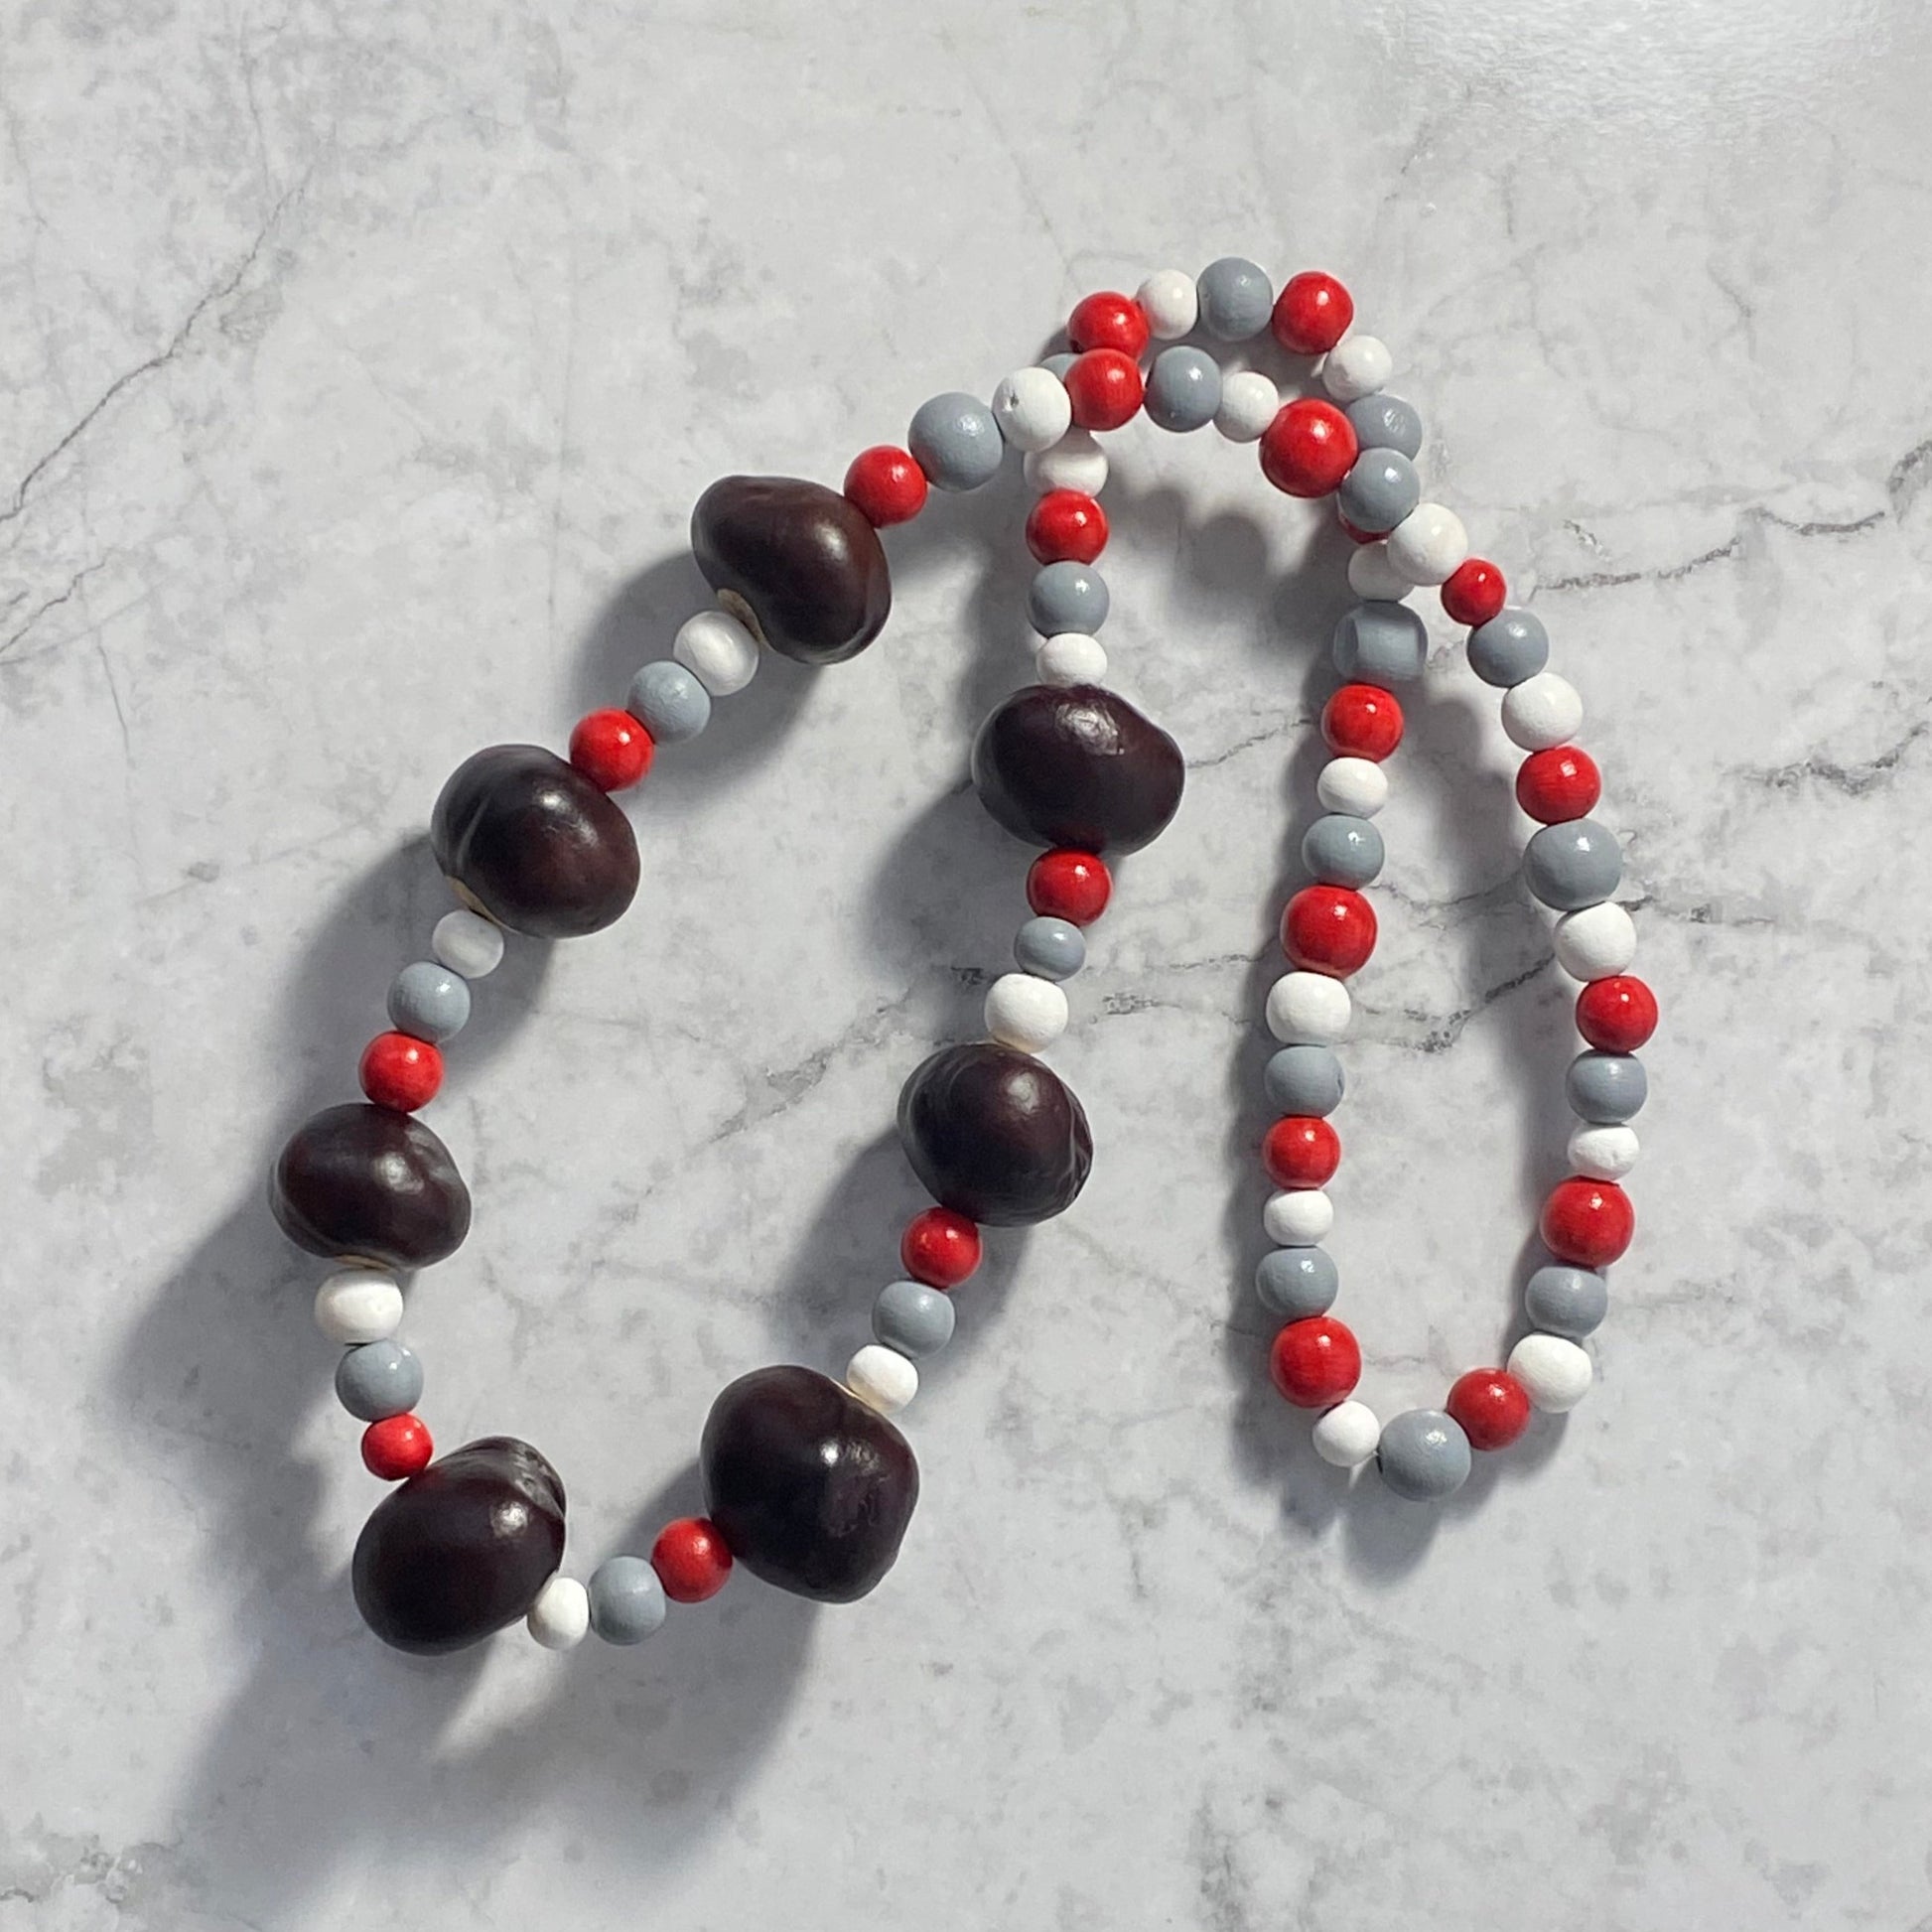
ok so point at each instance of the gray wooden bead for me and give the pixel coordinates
(956, 439)
(1295, 1283)
(1381, 643)
(1236, 299)
(1066, 595)
(1605, 1088)
(429, 1002)
(670, 702)
(1424, 1455)
(1385, 422)
(1565, 1300)
(1060, 362)
(1340, 850)
(1511, 647)
(626, 1599)
(378, 1379)
(1183, 388)
(1051, 949)
(913, 1317)
(1304, 1079)
(1379, 490)
(1573, 865)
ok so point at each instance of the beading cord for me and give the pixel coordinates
(808, 1481)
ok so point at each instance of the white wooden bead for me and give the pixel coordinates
(882, 1378)
(1070, 657)
(358, 1305)
(1298, 1217)
(1595, 942)
(1373, 578)
(1346, 1434)
(1357, 786)
(1542, 710)
(1556, 1374)
(1357, 368)
(561, 1615)
(1602, 1153)
(718, 652)
(1249, 403)
(1428, 545)
(1032, 409)
(1024, 1011)
(1307, 1008)
(468, 943)
(1075, 462)
(1168, 302)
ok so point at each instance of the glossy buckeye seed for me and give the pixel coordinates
(359, 1183)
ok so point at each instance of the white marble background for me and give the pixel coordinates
(360, 363)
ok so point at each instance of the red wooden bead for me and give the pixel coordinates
(1557, 784)
(1301, 1152)
(1315, 1363)
(1070, 886)
(1616, 1015)
(1309, 448)
(1362, 721)
(691, 1560)
(400, 1071)
(1312, 314)
(940, 1247)
(1108, 320)
(1328, 930)
(1588, 1223)
(1491, 1406)
(1066, 524)
(886, 486)
(1474, 592)
(397, 1446)
(611, 749)
(1106, 388)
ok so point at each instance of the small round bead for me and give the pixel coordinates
(1024, 1012)
(1235, 299)
(955, 440)
(1057, 364)
(1357, 368)
(1490, 1407)
(1108, 319)
(560, 1618)
(1512, 647)
(1032, 409)
(1381, 643)
(1312, 314)
(1473, 591)
(400, 1073)
(1301, 1152)
(1339, 849)
(1071, 657)
(1297, 1282)
(1602, 1153)
(1423, 1455)
(1075, 462)
(1428, 544)
(913, 1318)
(882, 1378)
(1105, 388)
(691, 1560)
(1168, 302)
(1314, 1362)
(1595, 942)
(1372, 578)
(1540, 712)
(1618, 1013)
(1328, 930)
(358, 1305)
(668, 702)
(1066, 526)
(1347, 1435)
(1309, 1007)
(1184, 389)
(1379, 490)
(1070, 886)
(1298, 1217)
(1573, 865)
(1554, 1372)
(1385, 422)
(1605, 1089)
(468, 943)
(611, 748)
(1588, 1222)
(429, 1002)
(1307, 449)
(940, 1247)
(1557, 783)
(626, 1600)
(1305, 1078)
(1358, 786)
(886, 486)
(1066, 596)
(1249, 403)
(397, 1448)
(1053, 948)
(718, 650)
(1567, 1300)
(1361, 721)
(378, 1379)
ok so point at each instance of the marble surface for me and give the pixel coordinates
(360, 364)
